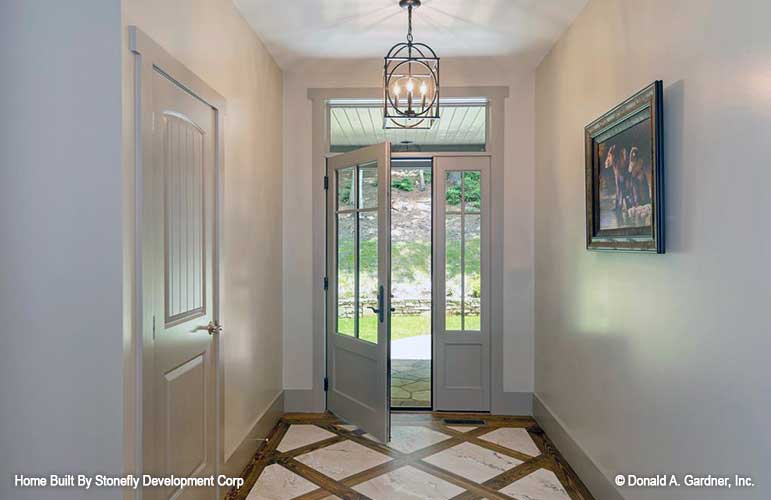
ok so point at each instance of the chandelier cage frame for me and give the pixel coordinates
(401, 61)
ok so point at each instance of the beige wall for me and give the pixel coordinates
(299, 282)
(212, 39)
(660, 363)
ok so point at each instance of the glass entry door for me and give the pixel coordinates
(358, 299)
(461, 283)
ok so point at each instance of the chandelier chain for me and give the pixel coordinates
(409, 23)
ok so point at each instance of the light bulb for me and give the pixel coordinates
(410, 86)
(396, 89)
(423, 89)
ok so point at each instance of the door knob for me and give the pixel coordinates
(214, 327)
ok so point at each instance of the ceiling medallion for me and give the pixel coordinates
(410, 82)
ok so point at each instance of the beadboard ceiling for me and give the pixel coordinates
(363, 125)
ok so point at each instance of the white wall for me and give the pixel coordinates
(298, 249)
(212, 39)
(661, 363)
(61, 407)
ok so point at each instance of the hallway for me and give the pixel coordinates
(429, 458)
(271, 245)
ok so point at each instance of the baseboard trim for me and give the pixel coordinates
(513, 403)
(598, 483)
(242, 455)
(300, 401)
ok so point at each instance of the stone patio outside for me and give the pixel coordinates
(411, 372)
(411, 383)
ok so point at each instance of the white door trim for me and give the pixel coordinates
(147, 55)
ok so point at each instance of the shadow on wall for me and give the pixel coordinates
(674, 186)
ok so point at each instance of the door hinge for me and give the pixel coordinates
(326, 283)
(153, 327)
(326, 384)
(326, 182)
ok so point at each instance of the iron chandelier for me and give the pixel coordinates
(410, 82)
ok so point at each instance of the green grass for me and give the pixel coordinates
(472, 322)
(402, 326)
(408, 257)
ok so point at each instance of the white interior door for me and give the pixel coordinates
(179, 269)
(358, 298)
(461, 283)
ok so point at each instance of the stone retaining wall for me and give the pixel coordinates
(411, 307)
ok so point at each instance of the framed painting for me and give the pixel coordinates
(624, 175)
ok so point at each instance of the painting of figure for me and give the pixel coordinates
(625, 181)
(624, 175)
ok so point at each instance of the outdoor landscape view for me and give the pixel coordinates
(411, 287)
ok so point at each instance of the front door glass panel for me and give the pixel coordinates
(357, 252)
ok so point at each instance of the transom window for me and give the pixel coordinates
(357, 123)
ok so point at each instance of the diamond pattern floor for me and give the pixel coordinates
(318, 457)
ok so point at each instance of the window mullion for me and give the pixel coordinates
(462, 253)
(356, 299)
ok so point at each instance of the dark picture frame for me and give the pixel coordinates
(625, 175)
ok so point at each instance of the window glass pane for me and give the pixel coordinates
(368, 276)
(453, 192)
(472, 191)
(358, 123)
(345, 274)
(472, 271)
(368, 186)
(453, 273)
(345, 189)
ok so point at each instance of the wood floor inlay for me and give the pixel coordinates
(319, 457)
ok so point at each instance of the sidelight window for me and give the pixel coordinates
(463, 269)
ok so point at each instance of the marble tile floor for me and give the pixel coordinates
(319, 457)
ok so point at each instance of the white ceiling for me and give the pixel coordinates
(298, 29)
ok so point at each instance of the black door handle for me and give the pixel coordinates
(379, 310)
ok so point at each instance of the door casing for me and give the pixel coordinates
(485, 402)
(501, 402)
(149, 57)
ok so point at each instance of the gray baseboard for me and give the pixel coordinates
(601, 487)
(300, 400)
(235, 463)
(513, 403)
